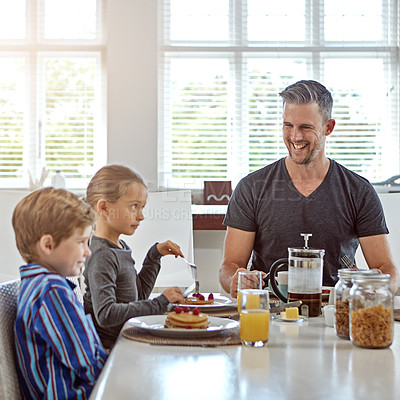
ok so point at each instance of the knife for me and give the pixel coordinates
(273, 309)
(189, 289)
(194, 286)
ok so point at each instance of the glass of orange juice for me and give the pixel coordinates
(254, 317)
(248, 280)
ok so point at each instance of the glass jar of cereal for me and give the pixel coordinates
(342, 297)
(371, 311)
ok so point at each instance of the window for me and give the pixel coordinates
(223, 64)
(51, 90)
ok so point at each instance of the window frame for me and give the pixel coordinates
(315, 48)
(34, 48)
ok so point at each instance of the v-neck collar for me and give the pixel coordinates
(312, 194)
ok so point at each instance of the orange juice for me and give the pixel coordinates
(254, 325)
(252, 301)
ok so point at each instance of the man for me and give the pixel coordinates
(305, 192)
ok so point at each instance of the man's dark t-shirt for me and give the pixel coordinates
(343, 208)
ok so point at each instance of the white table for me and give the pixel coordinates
(301, 362)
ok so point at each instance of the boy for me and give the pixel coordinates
(59, 352)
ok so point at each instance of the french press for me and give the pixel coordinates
(304, 277)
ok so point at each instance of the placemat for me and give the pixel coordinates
(226, 313)
(225, 338)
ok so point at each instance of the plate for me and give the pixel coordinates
(154, 324)
(220, 302)
(301, 319)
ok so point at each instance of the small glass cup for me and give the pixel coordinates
(248, 280)
(254, 317)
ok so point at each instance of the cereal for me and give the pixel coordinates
(372, 327)
(342, 318)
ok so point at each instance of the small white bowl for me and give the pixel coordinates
(329, 313)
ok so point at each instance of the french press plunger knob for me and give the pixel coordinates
(306, 236)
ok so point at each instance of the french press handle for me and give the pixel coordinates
(275, 267)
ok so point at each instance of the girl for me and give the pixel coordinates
(115, 291)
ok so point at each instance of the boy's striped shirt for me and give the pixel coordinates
(58, 349)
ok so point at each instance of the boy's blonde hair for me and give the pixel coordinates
(110, 183)
(56, 212)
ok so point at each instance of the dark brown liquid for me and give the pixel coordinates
(312, 300)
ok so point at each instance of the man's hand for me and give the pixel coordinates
(237, 251)
(234, 282)
(377, 254)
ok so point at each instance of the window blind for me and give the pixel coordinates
(71, 107)
(12, 118)
(51, 91)
(223, 64)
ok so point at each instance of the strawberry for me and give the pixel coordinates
(185, 309)
(188, 327)
(196, 311)
(210, 296)
(178, 309)
(201, 297)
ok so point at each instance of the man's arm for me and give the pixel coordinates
(377, 254)
(237, 250)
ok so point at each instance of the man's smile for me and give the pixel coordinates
(299, 146)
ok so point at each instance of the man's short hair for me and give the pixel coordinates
(56, 212)
(306, 92)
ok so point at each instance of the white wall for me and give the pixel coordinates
(208, 252)
(10, 257)
(132, 85)
(391, 206)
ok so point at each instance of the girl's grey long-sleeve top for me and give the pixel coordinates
(115, 291)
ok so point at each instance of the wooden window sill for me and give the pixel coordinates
(208, 217)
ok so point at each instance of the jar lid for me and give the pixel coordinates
(371, 278)
(347, 273)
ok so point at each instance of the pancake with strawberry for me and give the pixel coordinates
(199, 299)
(183, 318)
